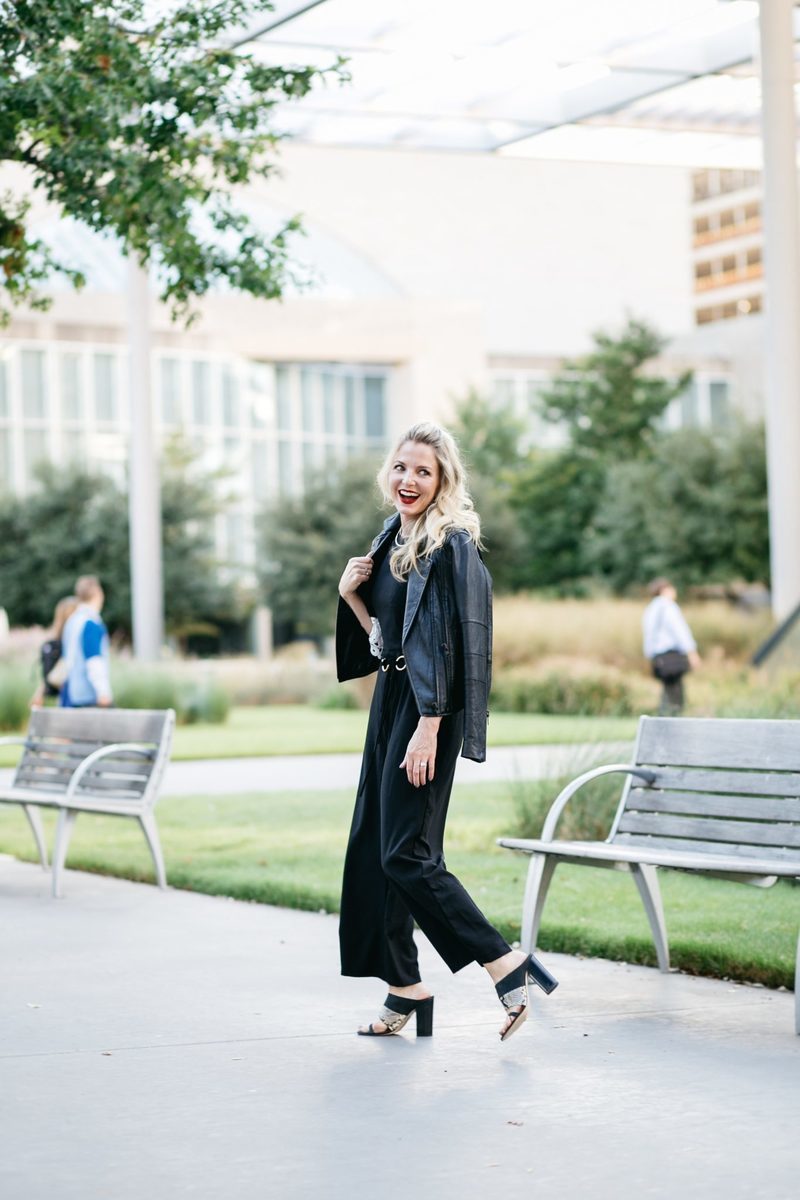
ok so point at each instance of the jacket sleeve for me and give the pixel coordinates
(472, 585)
(353, 656)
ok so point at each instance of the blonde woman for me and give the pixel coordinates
(418, 608)
(50, 651)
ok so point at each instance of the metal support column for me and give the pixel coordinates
(144, 499)
(782, 272)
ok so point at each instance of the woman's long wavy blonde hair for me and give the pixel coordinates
(451, 509)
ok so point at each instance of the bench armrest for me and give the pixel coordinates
(104, 752)
(560, 802)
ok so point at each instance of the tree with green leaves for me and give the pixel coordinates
(697, 513)
(138, 120)
(76, 522)
(609, 405)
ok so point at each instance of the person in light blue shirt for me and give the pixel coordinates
(668, 643)
(84, 645)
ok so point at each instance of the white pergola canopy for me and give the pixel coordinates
(527, 77)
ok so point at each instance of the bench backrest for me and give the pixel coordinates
(726, 787)
(58, 739)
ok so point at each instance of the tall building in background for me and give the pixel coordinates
(727, 245)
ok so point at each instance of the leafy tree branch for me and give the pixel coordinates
(140, 131)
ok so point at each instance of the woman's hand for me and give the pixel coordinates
(420, 759)
(357, 571)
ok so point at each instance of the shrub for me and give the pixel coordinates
(760, 696)
(193, 700)
(339, 698)
(587, 816)
(203, 702)
(136, 688)
(16, 690)
(562, 694)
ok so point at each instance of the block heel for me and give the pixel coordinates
(513, 991)
(395, 1014)
(424, 1011)
(540, 975)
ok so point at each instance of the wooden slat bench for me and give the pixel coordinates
(96, 760)
(721, 797)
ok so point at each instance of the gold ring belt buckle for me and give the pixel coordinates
(401, 658)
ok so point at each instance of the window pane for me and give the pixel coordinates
(105, 390)
(6, 479)
(350, 405)
(283, 399)
(504, 392)
(35, 441)
(75, 447)
(260, 481)
(260, 399)
(285, 468)
(170, 391)
(235, 537)
(307, 389)
(309, 460)
(374, 407)
(329, 397)
(720, 406)
(71, 399)
(689, 414)
(231, 414)
(201, 393)
(4, 405)
(33, 396)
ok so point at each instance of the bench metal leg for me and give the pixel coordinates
(148, 824)
(540, 873)
(66, 822)
(646, 878)
(35, 822)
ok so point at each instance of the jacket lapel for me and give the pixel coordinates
(390, 527)
(416, 586)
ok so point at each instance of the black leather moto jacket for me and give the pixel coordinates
(447, 634)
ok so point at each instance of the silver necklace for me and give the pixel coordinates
(397, 540)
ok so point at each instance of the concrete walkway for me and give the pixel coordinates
(163, 1045)
(313, 772)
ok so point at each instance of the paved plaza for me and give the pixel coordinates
(163, 1045)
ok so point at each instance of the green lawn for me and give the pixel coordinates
(299, 729)
(288, 849)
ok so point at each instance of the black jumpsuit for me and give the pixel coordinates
(394, 869)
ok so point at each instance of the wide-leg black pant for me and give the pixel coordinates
(394, 872)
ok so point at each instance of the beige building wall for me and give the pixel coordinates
(546, 251)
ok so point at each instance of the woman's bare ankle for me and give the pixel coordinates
(412, 991)
(500, 967)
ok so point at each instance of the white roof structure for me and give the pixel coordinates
(672, 81)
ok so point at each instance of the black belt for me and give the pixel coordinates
(399, 663)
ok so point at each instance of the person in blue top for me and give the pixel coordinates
(84, 645)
